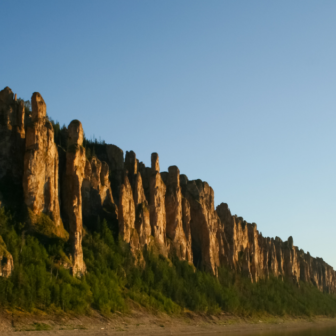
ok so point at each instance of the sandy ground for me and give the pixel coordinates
(142, 323)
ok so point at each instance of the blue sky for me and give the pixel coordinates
(241, 94)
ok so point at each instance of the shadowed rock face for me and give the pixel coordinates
(142, 221)
(204, 225)
(72, 196)
(157, 190)
(12, 141)
(179, 245)
(96, 191)
(131, 166)
(40, 178)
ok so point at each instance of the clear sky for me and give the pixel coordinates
(241, 94)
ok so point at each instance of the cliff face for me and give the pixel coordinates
(151, 208)
(72, 193)
(204, 224)
(157, 191)
(97, 193)
(142, 219)
(12, 146)
(40, 178)
(179, 245)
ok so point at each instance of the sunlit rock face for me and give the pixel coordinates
(161, 211)
(72, 194)
(317, 272)
(178, 243)
(157, 191)
(204, 225)
(127, 222)
(142, 217)
(126, 214)
(41, 176)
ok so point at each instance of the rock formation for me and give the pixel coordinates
(126, 213)
(204, 225)
(187, 229)
(157, 190)
(96, 192)
(155, 209)
(179, 245)
(40, 178)
(72, 194)
(12, 145)
(126, 219)
(142, 219)
(6, 260)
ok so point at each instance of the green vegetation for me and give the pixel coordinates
(41, 281)
(45, 226)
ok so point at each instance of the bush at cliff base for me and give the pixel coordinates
(41, 280)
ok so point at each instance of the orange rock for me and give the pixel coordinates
(179, 245)
(40, 178)
(72, 195)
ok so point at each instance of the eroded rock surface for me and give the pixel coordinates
(166, 208)
(204, 225)
(12, 147)
(97, 193)
(142, 221)
(72, 194)
(179, 245)
(157, 190)
(126, 214)
(126, 219)
(40, 178)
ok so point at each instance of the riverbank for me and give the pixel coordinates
(142, 323)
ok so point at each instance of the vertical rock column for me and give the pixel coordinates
(174, 216)
(126, 213)
(254, 252)
(72, 196)
(142, 221)
(12, 136)
(40, 178)
(291, 260)
(157, 191)
(126, 219)
(186, 218)
(204, 225)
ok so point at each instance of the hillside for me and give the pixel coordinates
(83, 226)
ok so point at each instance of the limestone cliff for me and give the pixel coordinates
(151, 208)
(126, 214)
(72, 194)
(157, 191)
(142, 219)
(126, 219)
(40, 178)
(179, 245)
(204, 225)
(97, 193)
(12, 146)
